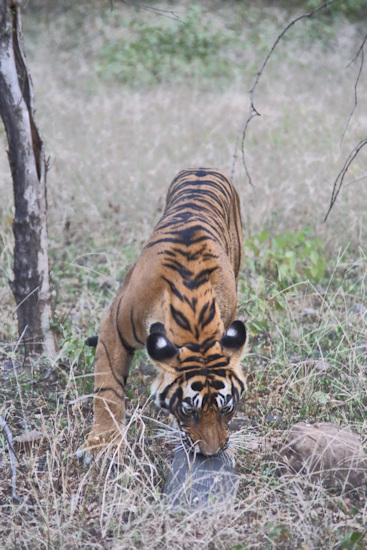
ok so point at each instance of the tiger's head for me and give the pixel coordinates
(200, 384)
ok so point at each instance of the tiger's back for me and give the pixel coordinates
(179, 300)
(205, 201)
(194, 255)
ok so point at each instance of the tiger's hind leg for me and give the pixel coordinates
(113, 360)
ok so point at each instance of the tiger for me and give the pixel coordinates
(178, 301)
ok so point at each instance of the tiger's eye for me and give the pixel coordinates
(186, 409)
(228, 408)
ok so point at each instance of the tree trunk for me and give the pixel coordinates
(30, 286)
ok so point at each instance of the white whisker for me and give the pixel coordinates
(233, 449)
(248, 430)
(164, 426)
(167, 435)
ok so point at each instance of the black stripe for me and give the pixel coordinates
(205, 399)
(241, 384)
(238, 226)
(210, 256)
(208, 372)
(216, 357)
(219, 370)
(130, 350)
(166, 252)
(174, 240)
(176, 218)
(191, 256)
(174, 289)
(209, 198)
(163, 395)
(225, 189)
(202, 312)
(190, 358)
(179, 216)
(176, 396)
(202, 193)
(188, 280)
(180, 319)
(133, 327)
(197, 201)
(200, 279)
(210, 316)
(121, 384)
(208, 223)
(213, 232)
(222, 364)
(235, 393)
(177, 266)
(192, 346)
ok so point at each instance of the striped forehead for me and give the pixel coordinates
(197, 392)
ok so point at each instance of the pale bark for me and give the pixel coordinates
(30, 286)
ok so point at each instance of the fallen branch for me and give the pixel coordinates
(9, 439)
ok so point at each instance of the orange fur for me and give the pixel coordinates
(179, 300)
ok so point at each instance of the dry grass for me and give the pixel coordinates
(113, 150)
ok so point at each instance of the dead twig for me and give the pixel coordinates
(253, 111)
(338, 183)
(170, 14)
(361, 54)
(9, 439)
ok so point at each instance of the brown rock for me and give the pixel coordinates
(325, 451)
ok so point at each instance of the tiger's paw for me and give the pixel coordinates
(98, 445)
(84, 454)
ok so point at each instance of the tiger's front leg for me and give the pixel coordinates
(113, 360)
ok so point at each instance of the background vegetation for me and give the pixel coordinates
(125, 99)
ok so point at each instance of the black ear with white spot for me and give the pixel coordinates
(235, 337)
(160, 348)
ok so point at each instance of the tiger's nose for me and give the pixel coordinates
(209, 453)
(208, 449)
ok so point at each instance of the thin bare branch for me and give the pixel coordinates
(252, 110)
(170, 14)
(354, 180)
(360, 53)
(338, 183)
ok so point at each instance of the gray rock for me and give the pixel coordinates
(199, 482)
(358, 309)
(147, 369)
(274, 418)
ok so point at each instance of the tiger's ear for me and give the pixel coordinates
(160, 349)
(234, 340)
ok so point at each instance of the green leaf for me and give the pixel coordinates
(314, 257)
(321, 397)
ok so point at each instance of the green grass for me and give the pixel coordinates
(166, 51)
(117, 133)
